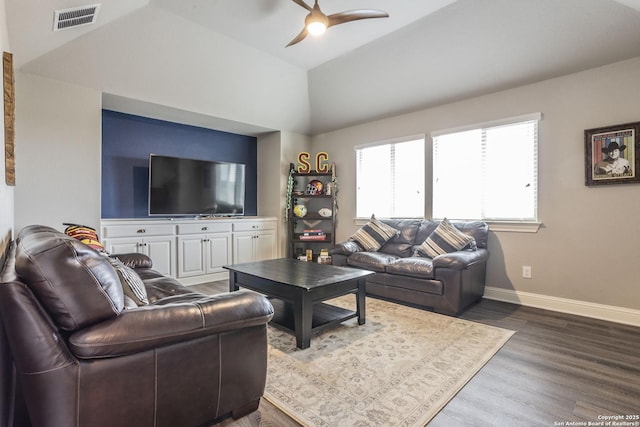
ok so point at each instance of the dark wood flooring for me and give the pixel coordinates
(557, 368)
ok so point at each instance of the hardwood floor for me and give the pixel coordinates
(556, 368)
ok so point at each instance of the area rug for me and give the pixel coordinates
(399, 369)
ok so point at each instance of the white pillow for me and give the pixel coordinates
(444, 239)
(132, 284)
(374, 234)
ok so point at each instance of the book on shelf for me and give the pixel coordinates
(312, 236)
(312, 232)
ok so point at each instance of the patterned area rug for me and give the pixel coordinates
(399, 369)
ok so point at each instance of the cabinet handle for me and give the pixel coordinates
(142, 230)
(205, 228)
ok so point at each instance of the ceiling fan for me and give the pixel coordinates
(317, 22)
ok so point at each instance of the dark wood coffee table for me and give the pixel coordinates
(297, 289)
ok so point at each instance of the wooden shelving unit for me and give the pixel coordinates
(298, 245)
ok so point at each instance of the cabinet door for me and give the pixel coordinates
(191, 256)
(243, 247)
(162, 251)
(218, 251)
(265, 245)
(125, 245)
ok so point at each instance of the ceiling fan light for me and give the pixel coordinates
(316, 28)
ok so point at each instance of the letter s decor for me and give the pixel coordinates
(303, 162)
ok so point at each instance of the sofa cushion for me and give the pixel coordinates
(375, 261)
(444, 239)
(374, 234)
(407, 230)
(159, 287)
(75, 284)
(418, 267)
(399, 249)
(479, 230)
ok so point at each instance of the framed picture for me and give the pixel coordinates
(612, 155)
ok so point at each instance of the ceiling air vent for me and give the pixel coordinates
(75, 17)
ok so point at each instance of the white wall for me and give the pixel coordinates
(195, 70)
(275, 151)
(6, 192)
(58, 152)
(587, 248)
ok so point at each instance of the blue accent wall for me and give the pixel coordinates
(127, 141)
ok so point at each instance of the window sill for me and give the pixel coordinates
(514, 226)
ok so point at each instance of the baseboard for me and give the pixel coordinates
(197, 280)
(610, 313)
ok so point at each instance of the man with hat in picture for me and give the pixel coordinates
(613, 164)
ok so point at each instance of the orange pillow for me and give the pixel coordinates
(86, 235)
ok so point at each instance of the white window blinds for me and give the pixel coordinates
(488, 171)
(390, 179)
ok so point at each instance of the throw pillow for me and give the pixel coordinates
(132, 284)
(444, 239)
(374, 234)
(87, 235)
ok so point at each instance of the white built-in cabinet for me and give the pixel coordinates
(193, 250)
(254, 241)
(152, 239)
(203, 248)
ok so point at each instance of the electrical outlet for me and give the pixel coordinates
(526, 271)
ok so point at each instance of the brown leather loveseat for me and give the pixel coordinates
(447, 283)
(80, 359)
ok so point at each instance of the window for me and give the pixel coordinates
(390, 179)
(487, 171)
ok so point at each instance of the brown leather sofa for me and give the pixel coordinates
(447, 284)
(72, 356)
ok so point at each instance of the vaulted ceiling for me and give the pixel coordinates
(226, 59)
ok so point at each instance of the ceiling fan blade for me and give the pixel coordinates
(303, 4)
(354, 15)
(299, 37)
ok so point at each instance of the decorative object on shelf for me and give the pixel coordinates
(311, 224)
(334, 185)
(300, 210)
(328, 188)
(312, 234)
(314, 188)
(9, 119)
(322, 165)
(290, 184)
(324, 257)
(325, 212)
(612, 155)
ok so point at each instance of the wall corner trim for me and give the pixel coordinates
(609, 313)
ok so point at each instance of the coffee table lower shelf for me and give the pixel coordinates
(324, 316)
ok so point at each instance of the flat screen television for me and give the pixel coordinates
(190, 187)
